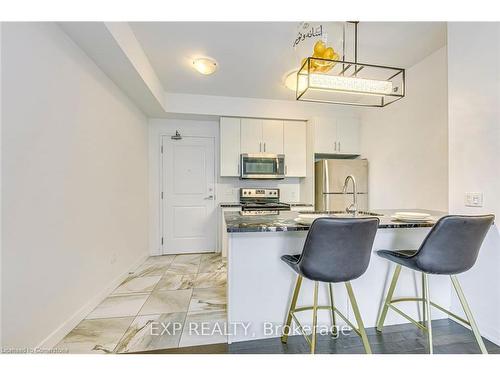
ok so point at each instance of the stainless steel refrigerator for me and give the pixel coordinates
(330, 176)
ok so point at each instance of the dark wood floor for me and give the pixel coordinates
(449, 338)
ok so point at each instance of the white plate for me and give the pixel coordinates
(412, 215)
(412, 220)
(309, 218)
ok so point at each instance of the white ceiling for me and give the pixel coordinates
(253, 56)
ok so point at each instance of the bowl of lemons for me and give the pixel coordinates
(323, 58)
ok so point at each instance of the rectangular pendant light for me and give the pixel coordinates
(341, 83)
(351, 83)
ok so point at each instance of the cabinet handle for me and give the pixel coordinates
(339, 146)
(286, 169)
(264, 146)
(335, 146)
(260, 146)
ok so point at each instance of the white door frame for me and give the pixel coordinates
(162, 195)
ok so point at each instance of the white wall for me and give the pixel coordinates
(474, 145)
(406, 142)
(212, 105)
(74, 172)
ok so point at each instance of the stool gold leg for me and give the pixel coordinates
(428, 307)
(315, 317)
(423, 300)
(332, 311)
(388, 299)
(468, 314)
(357, 315)
(286, 328)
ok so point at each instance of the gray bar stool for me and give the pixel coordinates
(336, 250)
(450, 248)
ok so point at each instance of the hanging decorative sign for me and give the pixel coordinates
(316, 39)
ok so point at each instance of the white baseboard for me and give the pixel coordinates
(60, 332)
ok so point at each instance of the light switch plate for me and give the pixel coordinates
(474, 199)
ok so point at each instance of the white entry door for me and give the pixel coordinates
(189, 212)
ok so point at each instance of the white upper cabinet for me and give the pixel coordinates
(261, 136)
(251, 136)
(272, 136)
(230, 136)
(348, 136)
(325, 136)
(337, 136)
(294, 147)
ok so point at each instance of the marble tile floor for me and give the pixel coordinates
(169, 301)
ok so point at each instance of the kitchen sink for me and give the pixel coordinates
(359, 214)
(342, 213)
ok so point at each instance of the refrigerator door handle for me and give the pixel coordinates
(326, 187)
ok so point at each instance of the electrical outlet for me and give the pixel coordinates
(474, 199)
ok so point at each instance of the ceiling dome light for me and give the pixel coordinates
(205, 65)
(290, 79)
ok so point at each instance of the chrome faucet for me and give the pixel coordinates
(352, 208)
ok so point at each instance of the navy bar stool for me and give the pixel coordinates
(450, 248)
(336, 250)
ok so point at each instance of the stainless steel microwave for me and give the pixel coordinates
(262, 166)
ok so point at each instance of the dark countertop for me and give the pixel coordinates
(237, 204)
(284, 221)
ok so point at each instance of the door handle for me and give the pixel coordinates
(209, 197)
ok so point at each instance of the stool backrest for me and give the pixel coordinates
(338, 249)
(453, 244)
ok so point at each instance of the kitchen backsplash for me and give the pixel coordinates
(229, 187)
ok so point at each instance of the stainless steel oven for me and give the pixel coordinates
(262, 166)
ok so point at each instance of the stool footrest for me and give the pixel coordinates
(416, 299)
(306, 308)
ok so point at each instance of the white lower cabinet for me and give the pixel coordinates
(223, 229)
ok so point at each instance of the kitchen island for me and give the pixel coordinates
(260, 284)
